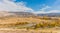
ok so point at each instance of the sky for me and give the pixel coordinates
(35, 6)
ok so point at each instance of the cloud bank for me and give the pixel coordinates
(11, 6)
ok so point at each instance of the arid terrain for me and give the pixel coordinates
(28, 23)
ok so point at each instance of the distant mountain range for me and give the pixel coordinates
(28, 14)
(50, 14)
(24, 14)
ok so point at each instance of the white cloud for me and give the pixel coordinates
(7, 5)
(54, 11)
(44, 12)
(46, 7)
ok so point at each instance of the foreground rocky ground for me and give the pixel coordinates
(7, 30)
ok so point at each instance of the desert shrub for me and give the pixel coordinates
(40, 25)
(48, 25)
(51, 25)
(21, 23)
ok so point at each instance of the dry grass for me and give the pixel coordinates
(29, 31)
(17, 19)
(14, 20)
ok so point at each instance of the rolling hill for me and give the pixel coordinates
(50, 14)
(14, 17)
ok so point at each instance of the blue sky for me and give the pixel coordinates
(38, 4)
(35, 6)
